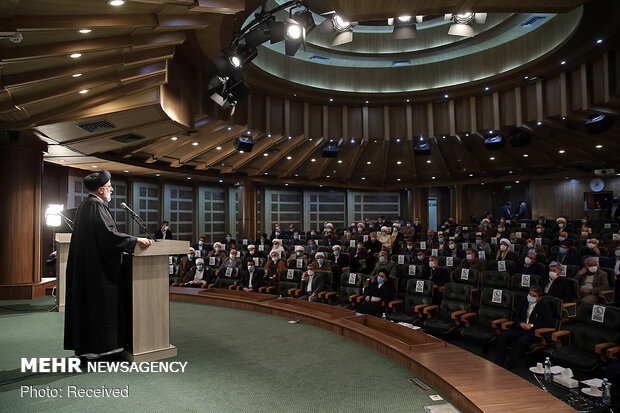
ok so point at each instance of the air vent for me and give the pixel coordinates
(97, 126)
(401, 62)
(533, 22)
(127, 138)
(318, 58)
(190, 132)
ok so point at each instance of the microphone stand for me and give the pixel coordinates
(69, 223)
(140, 222)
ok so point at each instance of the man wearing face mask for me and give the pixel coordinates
(541, 232)
(530, 315)
(376, 296)
(591, 281)
(590, 249)
(472, 261)
(339, 262)
(562, 237)
(273, 266)
(564, 255)
(419, 229)
(358, 257)
(373, 247)
(420, 258)
(561, 226)
(557, 286)
(361, 230)
(452, 250)
(200, 248)
(438, 275)
(232, 261)
(320, 263)
(97, 274)
(485, 228)
(504, 253)
(252, 252)
(481, 245)
(614, 263)
(250, 280)
(217, 252)
(585, 233)
(410, 250)
(296, 240)
(385, 265)
(530, 246)
(311, 284)
(164, 231)
(229, 242)
(185, 265)
(199, 276)
(299, 255)
(408, 231)
(346, 238)
(385, 238)
(530, 266)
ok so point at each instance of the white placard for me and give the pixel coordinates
(223, 247)
(507, 221)
(211, 260)
(465, 246)
(494, 241)
(511, 248)
(497, 296)
(465, 228)
(352, 243)
(501, 265)
(616, 237)
(523, 225)
(412, 270)
(229, 271)
(519, 234)
(449, 261)
(481, 255)
(401, 259)
(538, 241)
(365, 238)
(244, 241)
(563, 274)
(423, 245)
(598, 313)
(352, 278)
(170, 269)
(299, 263)
(608, 225)
(289, 274)
(465, 274)
(261, 247)
(525, 280)
(255, 260)
(238, 254)
(169, 259)
(419, 286)
(434, 252)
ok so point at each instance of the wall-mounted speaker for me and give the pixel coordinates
(244, 143)
(599, 123)
(422, 149)
(495, 143)
(330, 151)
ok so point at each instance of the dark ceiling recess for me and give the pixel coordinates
(127, 138)
(98, 126)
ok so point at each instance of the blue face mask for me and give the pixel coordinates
(199, 267)
(336, 253)
(190, 256)
(372, 238)
(617, 253)
(382, 259)
(470, 257)
(485, 225)
(562, 250)
(465, 236)
(440, 240)
(561, 238)
(540, 221)
(296, 236)
(478, 241)
(531, 299)
(380, 280)
(320, 261)
(250, 268)
(312, 246)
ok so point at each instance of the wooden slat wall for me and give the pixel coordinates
(354, 122)
(277, 116)
(315, 116)
(553, 103)
(258, 113)
(440, 119)
(597, 72)
(335, 122)
(398, 122)
(297, 118)
(508, 107)
(575, 88)
(375, 122)
(462, 111)
(420, 118)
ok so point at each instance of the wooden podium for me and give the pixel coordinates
(62, 252)
(150, 304)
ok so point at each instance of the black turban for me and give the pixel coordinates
(96, 180)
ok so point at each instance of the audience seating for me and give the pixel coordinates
(495, 308)
(418, 295)
(445, 318)
(351, 285)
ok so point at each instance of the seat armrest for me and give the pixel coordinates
(211, 285)
(440, 289)
(359, 298)
(321, 295)
(233, 287)
(430, 310)
(612, 353)
(455, 315)
(561, 338)
(544, 334)
(606, 296)
(507, 325)
(291, 291)
(328, 295)
(271, 289)
(353, 298)
(420, 308)
(465, 318)
(601, 347)
(262, 289)
(497, 324)
(393, 304)
(569, 310)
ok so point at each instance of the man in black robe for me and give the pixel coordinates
(97, 307)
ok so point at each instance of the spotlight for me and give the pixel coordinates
(340, 25)
(235, 61)
(243, 55)
(404, 19)
(494, 143)
(404, 28)
(293, 31)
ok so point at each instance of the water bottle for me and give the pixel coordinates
(548, 375)
(606, 387)
(384, 317)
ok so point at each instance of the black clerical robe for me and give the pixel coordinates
(97, 306)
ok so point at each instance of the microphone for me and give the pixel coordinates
(138, 220)
(125, 206)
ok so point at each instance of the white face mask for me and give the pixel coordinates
(452, 246)
(503, 247)
(200, 242)
(553, 275)
(310, 272)
(590, 245)
(539, 230)
(233, 256)
(561, 225)
(530, 245)
(528, 260)
(274, 259)
(584, 233)
(409, 247)
(592, 269)
(431, 264)
(251, 252)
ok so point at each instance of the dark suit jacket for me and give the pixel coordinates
(257, 280)
(386, 292)
(159, 234)
(439, 276)
(561, 289)
(541, 317)
(565, 259)
(208, 276)
(343, 261)
(318, 284)
(536, 268)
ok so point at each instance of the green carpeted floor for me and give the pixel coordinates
(238, 361)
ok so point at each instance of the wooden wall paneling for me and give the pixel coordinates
(354, 122)
(268, 114)
(585, 97)
(485, 112)
(615, 72)
(287, 118)
(240, 117)
(563, 95)
(430, 123)
(441, 118)
(315, 121)
(473, 118)
(277, 116)
(296, 119)
(257, 120)
(325, 124)
(345, 123)
(386, 142)
(518, 107)
(451, 119)
(462, 115)
(375, 122)
(420, 118)
(496, 111)
(553, 96)
(398, 121)
(528, 97)
(607, 81)
(413, 170)
(575, 90)
(507, 108)
(335, 122)
(540, 108)
(599, 81)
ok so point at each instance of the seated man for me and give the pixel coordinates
(419, 229)
(408, 231)
(229, 241)
(410, 250)
(329, 240)
(373, 247)
(439, 276)
(377, 294)
(591, 249)
(584, 234)
(197, 277)
(530, 266)
(472, 261)
(385, 265)
(504, 253)
(296, 240)
(360, 254)
(530, 246)
(250, 280)
(311, 284)
(263, 240)
(201, 247)
(346, 238)
(273, 266)
(232, 261)
(529, 315)
(320, 264)
(339, 262)
(299, 254)
(385, 238)
(452, 251)
(591, 281)
(397, 238)
(558, 286)
(564, 255)
(277, 245)
(186, 264)
(217, 251)
(420, 259)
(252, 252)
(482, 246)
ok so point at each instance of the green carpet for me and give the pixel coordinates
(238, 361)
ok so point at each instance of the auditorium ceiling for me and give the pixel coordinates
(126, 88)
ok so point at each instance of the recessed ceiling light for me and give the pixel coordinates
(429, 161)
(269, 135)
(492, 158)
(525, 155)
(321, 186)
(85, 31)
(491, 131)
(563, 117)
(363, 178)
(331, 99)
(285, 184)
(75, 55)
(398, 162)
(249, 132)
(229, 128)
(467, 134)
(218, 148)
(486, 88)
(327, 176)
(509, 172)
(62, 160)
(290, 137)
(526, 77)
(157, 175)
(561, 151)
(116, 3)
(444, 136)
(599, 41)
(408, 100)
(397, 139)
(295, 94)
(126, 172)
(95, 166)
(398, 179)
(366, 101)
(189, 177)
(195, 143)
(289, 157)
(563, 62)
(76, 75)
(266, 173)
(516, 182)
(481, 183)
(296, 174)
(339, 160)
(265, 154)
(539, 123)
(445, 96)
(221, 180)
(352, 140)
(241, 152)
(432, 177)
(598, 146)
(174, 138)
(368, 163)
(312, 160)
(311, 139)
(83, 91)
(471, 174)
